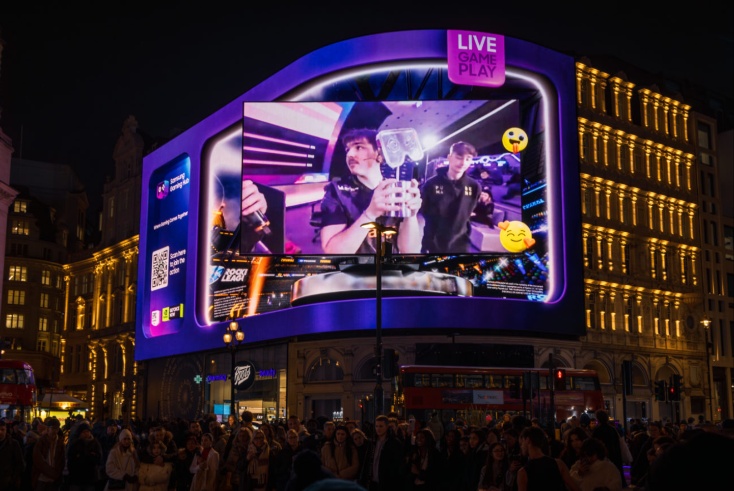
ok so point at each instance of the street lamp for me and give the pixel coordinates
(379, 232)
(233, 338)
(706, 322)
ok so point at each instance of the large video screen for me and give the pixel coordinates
(257, 214)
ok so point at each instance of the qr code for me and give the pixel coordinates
(159, 273)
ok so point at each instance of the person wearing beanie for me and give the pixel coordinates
(122, 464)
(84, 459)
(48, 457)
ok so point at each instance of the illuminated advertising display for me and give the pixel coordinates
(462, 143)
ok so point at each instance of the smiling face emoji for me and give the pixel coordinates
(515, 236)
(515, 140)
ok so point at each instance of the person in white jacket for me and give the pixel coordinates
(154, 473)
(122, 464)
(205, 465)
(594, 470)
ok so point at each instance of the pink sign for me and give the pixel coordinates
(476, 58)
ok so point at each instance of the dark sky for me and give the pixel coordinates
(70, 78)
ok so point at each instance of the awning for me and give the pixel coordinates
(61, 400)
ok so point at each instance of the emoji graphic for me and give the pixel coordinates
(515, 236)
(515, 140)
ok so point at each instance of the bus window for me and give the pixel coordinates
(514, 383)
(494, 382)
(442, 380)
(422, 380)
(584, 383)
(8, 376)
(473, 381)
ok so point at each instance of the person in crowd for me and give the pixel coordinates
(475, 459)
(283, 465)
(493, 475)
(641, 464)
(154, 473)
(364, 448)
(195, 429)
(464, 447)
(307, 469)
(700, 462)
(425, 462)
(84, 460)
(454, 459)
(593, 470)
(269, 432)
(231, 472)
(123, 463)
(511, 439)
(294, 423)
(205, 465)
(280, 436)
(387, 464)
(258, 462)
(449, 198)
(232, 424)
(182, 476)
(365, 196)
(541, 471)
(313, 437)
(38, 429)
(436, 426)
(11, 460)
(340, 455)
(48, 458)
(610, 437)
(572, 449)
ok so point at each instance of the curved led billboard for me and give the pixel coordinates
(462, 144)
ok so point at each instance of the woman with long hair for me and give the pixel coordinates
(340, 455)
(283, 464)
(231, 476)
(258, 462)
(572, 449)
(493, 475)
(425, 462)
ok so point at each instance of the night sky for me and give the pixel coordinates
(70, 78)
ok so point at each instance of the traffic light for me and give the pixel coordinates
(661, 391)
(675, 388)
(559, 379)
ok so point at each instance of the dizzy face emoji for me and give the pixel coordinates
(515, 140)
(515, 236)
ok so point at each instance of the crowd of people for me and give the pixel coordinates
(386, 454)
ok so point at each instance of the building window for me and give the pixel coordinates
(20, 226)
(41, 345)
(43, 324)
(17, 273)
(20, 206)
(46, 277)
(704, 135)
(44, 300)
(14, 321)
(16, 297)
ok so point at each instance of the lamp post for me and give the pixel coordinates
(706, 322)
(233, 338)
(379, 232)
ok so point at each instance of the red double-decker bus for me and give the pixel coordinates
(18, 393)
(479, 394)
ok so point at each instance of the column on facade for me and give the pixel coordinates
(129, 289)
(67, 291)
(110, 264)
(97, 299)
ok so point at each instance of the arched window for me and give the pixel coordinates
(325, 370)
